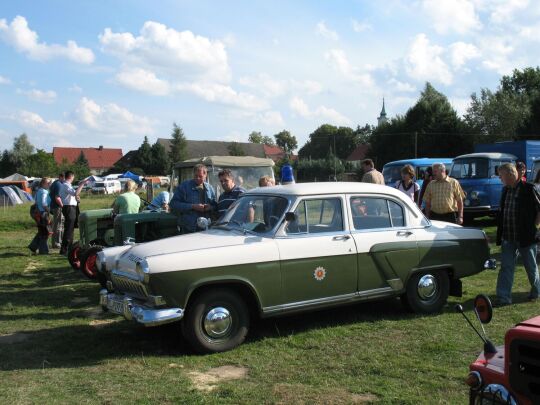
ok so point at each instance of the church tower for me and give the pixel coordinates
(382, 118)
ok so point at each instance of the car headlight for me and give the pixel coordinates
(474, 194)
(143, 271)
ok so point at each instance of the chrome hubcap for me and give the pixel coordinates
(217, 322)
(427, 287)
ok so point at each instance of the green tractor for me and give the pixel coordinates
(98, 229)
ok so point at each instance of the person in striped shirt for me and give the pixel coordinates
(231, 192)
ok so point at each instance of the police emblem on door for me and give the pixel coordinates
(319, 273)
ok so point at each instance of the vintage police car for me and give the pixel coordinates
(287, 249)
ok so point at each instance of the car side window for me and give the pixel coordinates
(317, 216)
(376, 213)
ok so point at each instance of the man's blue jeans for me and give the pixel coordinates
(508, 264)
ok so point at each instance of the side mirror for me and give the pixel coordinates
(290, 217)
(483, 308)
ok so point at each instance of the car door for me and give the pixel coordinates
(317, 253)
(385, 245)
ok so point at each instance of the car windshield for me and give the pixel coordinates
(254, 213)
(467, 168)
(391, 174)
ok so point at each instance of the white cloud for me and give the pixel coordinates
(143, 80)
(460, 104)
(497, 52)
(46, 97)
(461, 52)
(270, 119)
(308, 86)
(531, 33)
(503, 11)
(271, 87)
(219, 93)
(75, 89)
(18, 35)
(330, 115)
(360, 26)
(4, 80)
(325, 32)
(34, 121)
(111, 119)
(401, 86)
(339, 61)
(424, 62)
(452, 15)
(178, 53)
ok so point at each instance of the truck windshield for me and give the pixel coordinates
(254, 213)
(246, 177)
(391, 174)
(477, 168)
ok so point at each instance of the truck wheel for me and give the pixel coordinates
(426, 292)
(216, 321)
(88, 262)
(74, 255)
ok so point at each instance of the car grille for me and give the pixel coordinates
(128, 286)
(525, 368)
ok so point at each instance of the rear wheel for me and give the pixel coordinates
(88, 262)
(74, 255)
(217, 320)
(427, 292)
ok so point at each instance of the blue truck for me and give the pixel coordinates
(392, 170)
(479, 177)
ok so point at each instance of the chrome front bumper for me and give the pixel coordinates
(132, 311)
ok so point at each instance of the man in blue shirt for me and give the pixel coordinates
(43, 203)
(193, 199)
(231, 192)
(56, 212)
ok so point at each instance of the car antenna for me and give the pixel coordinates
(488, 346)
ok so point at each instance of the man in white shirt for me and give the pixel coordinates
(67, 199)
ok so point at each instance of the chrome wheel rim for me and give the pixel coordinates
(427, 287)
(217, 322)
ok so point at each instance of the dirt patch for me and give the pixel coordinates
(302, 394)
(209, 380)
(13, 338)
(31, 266)
(101, 322)
(80, 300)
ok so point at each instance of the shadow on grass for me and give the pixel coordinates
(11, 254)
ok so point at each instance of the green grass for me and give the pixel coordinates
(69, 352)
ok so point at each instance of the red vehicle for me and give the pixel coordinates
(508, 374)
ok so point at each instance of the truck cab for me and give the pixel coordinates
(478, 176)
(392, 170)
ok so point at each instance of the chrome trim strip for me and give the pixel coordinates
(359, 295)
(126, 306)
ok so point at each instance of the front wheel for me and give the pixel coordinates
(74, 255)
(427, 292)
(216, 321)
(88, 262)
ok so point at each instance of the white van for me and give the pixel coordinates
(107, 187)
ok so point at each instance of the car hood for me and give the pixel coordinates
(442, 224)
(214, 238)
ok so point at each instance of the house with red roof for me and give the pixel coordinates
(99, 159)
(358, 154)
(276, 153)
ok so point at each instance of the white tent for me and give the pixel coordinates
(15, 177)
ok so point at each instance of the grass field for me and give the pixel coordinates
(56, 346)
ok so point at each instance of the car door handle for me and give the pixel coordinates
(341, 237)
(404, 233)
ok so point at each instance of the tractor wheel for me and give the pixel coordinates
(74, 255)
(88, 262)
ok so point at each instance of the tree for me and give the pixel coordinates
(328, 139)
(178, 150)
(257, 137)
(41, 164)
(22, 149)
(159, 164)
(286, 141)
(144, 155)
(80, 167)
(7, 167)
(235, 149)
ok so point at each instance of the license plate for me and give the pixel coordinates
(116, 306)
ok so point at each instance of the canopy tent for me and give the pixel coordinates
(131, 176)
(8, 197)
(15, 177)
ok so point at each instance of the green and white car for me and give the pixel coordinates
(288, 249)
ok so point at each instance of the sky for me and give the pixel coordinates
(91, 73)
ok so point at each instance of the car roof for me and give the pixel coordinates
(418, 161)
(488, 155)
(302, 189)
